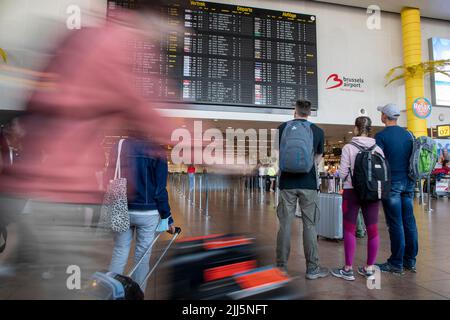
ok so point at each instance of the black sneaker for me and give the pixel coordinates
(341, 273)
(387, 267)
(319, 272)
(282, 267)
(410, 269)
(366, 272)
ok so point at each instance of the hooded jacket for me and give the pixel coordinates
(348, 157)
(144, 165)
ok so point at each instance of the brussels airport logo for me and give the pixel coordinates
(334, 81)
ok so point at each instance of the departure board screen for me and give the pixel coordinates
(229, 55)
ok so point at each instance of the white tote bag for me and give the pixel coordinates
(114, 212)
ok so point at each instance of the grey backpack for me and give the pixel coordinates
(423, 157)
(296, 147)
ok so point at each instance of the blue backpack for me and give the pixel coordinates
(297, 147)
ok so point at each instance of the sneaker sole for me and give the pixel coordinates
(411, 270)
(314, 277)
(341, 276)
(397, 273)
(365, 275)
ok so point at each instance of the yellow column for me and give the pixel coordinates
(412, 54)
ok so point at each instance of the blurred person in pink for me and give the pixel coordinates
(92, 93)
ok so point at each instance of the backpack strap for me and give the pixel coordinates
(360, 148)
(372, 148)
(412, 136)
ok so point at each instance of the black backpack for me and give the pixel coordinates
(371, 175)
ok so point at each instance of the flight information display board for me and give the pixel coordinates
(229, 55)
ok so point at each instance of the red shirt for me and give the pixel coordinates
(191, 170)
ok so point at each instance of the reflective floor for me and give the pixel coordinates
(233, 210)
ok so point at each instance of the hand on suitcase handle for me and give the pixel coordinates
(174, 230)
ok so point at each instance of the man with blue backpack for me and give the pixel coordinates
(301, 148)
(397, 145)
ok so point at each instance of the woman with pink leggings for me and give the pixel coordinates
(351, 205)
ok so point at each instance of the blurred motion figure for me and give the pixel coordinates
(93, 93)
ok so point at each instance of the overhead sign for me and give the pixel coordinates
(443, 131)
(422, 108)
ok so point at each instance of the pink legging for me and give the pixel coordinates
(350, 208)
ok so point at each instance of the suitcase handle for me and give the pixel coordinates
(175, 236)
(177, 232)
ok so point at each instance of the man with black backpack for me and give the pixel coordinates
(397, 145)
(301, 147)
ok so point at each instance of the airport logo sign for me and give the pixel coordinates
(422, 108)
(334, 81)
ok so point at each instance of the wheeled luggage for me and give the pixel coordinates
(113, 286)
(330, 224)
(266, 283)
(200, 260)
(442, 186)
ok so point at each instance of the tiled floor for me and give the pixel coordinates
(235, 211)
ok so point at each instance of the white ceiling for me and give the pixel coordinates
(437, 9)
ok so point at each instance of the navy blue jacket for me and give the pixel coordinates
(397, 145)
(145, 168)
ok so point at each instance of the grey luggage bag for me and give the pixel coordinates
(330, 224)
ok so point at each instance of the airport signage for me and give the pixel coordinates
(335, 81)
(443, 131)
(422, 108)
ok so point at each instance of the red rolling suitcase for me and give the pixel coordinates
(266, 283)
(204, 259)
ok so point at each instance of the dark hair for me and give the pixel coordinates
(364, 125)
(444, 163)
(303, 108)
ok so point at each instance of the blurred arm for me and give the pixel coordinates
(161, 195)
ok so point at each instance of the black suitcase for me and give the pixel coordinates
(108, 285)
